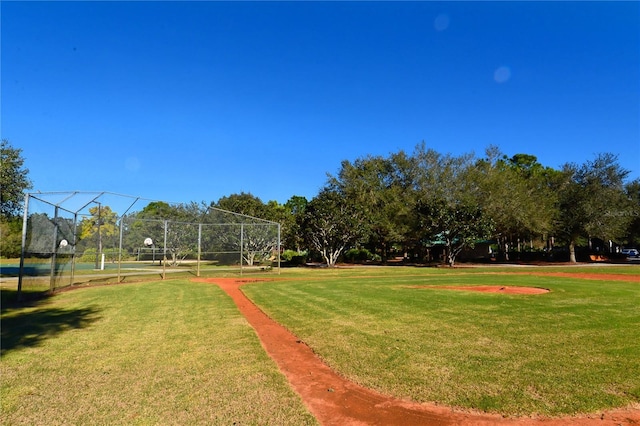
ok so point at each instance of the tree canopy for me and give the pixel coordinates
(408, 201)
(592, 201)
(14, 179)
(331, 224)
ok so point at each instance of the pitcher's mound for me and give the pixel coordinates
(489, 288)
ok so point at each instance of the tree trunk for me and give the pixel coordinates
(325, 255)
(451, 256)
(572, 251)
(331, 256)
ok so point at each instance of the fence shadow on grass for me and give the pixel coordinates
(28, 327)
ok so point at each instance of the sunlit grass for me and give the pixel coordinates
(172, 352)
(178, 352)
(573, 350)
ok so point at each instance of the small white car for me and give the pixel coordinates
(630, 252)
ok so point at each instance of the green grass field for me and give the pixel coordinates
(155, 353)
(178, 352)
(573, 350)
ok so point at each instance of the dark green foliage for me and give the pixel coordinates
(359, 255)
(293, 258)
(458, 225)
(592, 202)
(10, 237)
(14, 182)
(13, 179)
(427, 202)
(332, 223)
(632, 191)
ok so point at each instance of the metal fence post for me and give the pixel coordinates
(25, 217)
(164, 251)
(52, 272)
(199, 249)
(241, 245)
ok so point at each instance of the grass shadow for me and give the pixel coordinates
(24, 326)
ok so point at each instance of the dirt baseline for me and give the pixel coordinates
(333, 400)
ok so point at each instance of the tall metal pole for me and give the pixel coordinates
(241, 245)
(199, 249)
(164, 251)
(52, 272)
(120, 248)
(99, 250)
(73, 248)
(279, 247)
(23, 250)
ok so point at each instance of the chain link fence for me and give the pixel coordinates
(77, 237)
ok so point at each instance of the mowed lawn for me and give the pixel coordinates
(179, 352)
(156, 353)
(573, 350)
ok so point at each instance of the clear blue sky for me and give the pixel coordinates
(194, 101)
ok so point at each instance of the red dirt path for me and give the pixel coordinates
(333, 400)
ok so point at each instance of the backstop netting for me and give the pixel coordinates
(78, 237)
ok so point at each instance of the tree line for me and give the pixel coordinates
(423, 206)
(425, 202)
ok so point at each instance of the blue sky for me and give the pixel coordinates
(192, 101)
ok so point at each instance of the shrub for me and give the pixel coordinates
(89, 255)
(357, 255)
(294, 258)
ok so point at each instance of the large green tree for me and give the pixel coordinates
(14, 180)
(449, 204)
(98, 230)
(457, 223)
(592, 202)
(632, 190)
(374, 184)
(244, 203)
(292, 237)
(517, 193)
(258, 238)
(332, 224)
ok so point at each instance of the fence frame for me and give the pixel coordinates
(94, 198)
